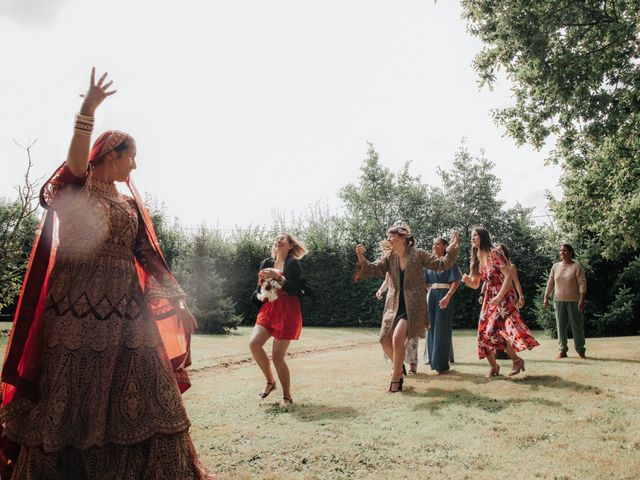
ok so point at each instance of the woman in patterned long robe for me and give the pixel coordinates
(92, 380)
(405, 311)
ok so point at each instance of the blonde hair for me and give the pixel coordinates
(385, 248)
(298, 249)
(403, 230)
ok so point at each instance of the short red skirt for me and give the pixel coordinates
(282, 317)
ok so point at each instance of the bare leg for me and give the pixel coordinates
(518, 362)
(278, 353)
(387, 346)
(495, 368)
(259, 337)
(512, 354)
(399, 336)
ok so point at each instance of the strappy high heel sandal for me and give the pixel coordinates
(272, 386)
(518, 366)
(399, 389)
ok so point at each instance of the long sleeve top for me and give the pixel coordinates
(567, 281)
(412, 286)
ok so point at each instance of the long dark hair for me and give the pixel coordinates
(444, 241)
(570, 248)
(505, 250)
(485, 246)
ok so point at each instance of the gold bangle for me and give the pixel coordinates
(87, 118)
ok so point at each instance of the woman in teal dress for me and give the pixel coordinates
(441, 310)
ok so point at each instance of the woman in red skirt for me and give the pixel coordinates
(280, 283)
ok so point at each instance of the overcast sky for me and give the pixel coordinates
(242, 108)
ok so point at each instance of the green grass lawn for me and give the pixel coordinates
(561, 419)
(569, 419)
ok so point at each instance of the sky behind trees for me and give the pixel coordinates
(242, 108)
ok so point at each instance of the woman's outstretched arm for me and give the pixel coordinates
(78, 156)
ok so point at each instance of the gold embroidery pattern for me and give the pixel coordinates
(167, 457)
(109, 405)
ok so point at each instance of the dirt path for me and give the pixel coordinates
(233, 361)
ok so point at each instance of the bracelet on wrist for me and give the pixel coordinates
(84, 124)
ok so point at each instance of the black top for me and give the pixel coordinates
(294, 282)
(402, 309)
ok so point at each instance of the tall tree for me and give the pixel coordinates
(171, 236)
(370, 203)
(196, 269)
(468, 197)
(470, 192)
(382, 198)
(18, 224)
(575, 74)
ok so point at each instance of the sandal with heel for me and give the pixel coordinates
(399, 389)
(518, 366)
(272, 386)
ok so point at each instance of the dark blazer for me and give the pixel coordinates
(294, 282)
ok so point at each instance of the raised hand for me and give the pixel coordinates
(360, 250)
(96, 94)
(455, 238)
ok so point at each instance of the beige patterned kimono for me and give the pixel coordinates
(109, 405)
(414, 293)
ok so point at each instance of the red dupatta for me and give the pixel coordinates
(22, 363)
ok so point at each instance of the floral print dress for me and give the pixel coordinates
(500, 322)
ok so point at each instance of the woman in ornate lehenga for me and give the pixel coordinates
(100, 342)
(500, 326)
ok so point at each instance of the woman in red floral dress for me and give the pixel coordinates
(500, 326)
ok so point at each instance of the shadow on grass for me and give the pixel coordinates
(451, 374)
(553, 381)
(564, 361)
(438, 399)
(314, 412)
(621, 360)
